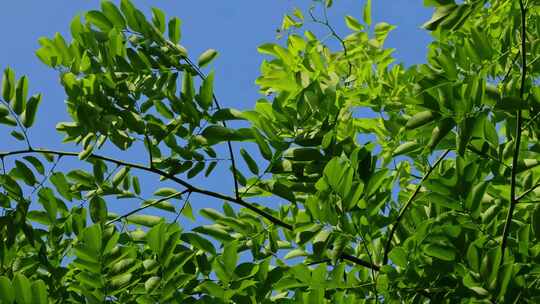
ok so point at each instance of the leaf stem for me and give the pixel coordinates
(522, 195)
(406, 206)
(118, 218)
(229, 144)
(19, 124)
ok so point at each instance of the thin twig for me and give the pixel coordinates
(118, 218)
(229, 144)
(334, 34)
(531, 120)
(46, 177)
(186, 201)
(406, 206)
(510, 68)
(18, 121)
(167, 175)
(515, 159)
(370, 257)
(522, 195)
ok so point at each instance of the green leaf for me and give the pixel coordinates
(295, 253)
(230, 256)
(473, 257)
(129, 12)
(8, 120)
(136, 185)
(22, 288)
(144, 220)
(165, 192)
(120, 175)
(18, 104)
(151, 284)
(406, 147)
(252, 164)
(17, 135)
(113, 14)
(187, 211)
(264, 148)
(8, 84)
(442, 252)
(367, 13)
(27, 174)
(206, 57)
(158, 18)
(163, 205)
(535, 222)
(398, 256)
(375, 182)
(98, 19)
(527, 164)
(48, 200)
(188, 91)
(174, 30)
(439, 132)
(11, 186)
(215, 134)
(206, 92)
(440, 14)
(3, 110)
(7, 292)
(353, 24)
(121, 280)
(210, 168)
(36, 163)
(29, 115)
(475, 197)
(62, 186)
(199, 166)
(199, 242)
(98, 209)
(39, 293)
(420, 119)
(156, 238)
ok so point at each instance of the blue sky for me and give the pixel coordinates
(235, 28)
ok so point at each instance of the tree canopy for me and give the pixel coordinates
(356, 179)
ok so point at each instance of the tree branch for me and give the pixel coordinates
(515, 159)
(406, 206)
(162, 173)
(189, 188)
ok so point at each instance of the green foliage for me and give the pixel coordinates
(343, 220)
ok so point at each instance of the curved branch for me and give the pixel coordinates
(406, 206)
(189, 188)
(162, 173)
(515, 159)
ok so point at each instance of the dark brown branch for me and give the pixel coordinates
(406, 206)
(189, 188)
(515, 159)
(167, 175)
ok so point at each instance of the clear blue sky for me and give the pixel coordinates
(235, 28)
